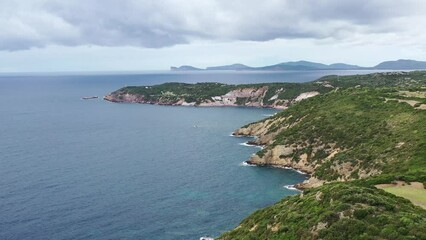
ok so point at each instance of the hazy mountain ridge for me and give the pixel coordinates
(401, 64)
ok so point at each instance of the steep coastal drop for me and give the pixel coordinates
(365, 149)
(361, 138)
(343, 135)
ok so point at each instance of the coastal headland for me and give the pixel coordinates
(352, 134)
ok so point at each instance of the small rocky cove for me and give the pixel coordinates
(294, 156)
(274, 157)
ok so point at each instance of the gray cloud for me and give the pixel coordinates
(154, 24)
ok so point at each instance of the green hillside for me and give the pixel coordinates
(335, 211)
(370, 131)
(260, 95)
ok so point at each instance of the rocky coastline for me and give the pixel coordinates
(268, 161)
(134, 98)
(256, 96)
(274, 157)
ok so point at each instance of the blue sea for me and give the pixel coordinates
(91, 169)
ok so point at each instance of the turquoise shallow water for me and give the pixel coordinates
(75, 169)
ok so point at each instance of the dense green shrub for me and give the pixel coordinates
(345, 211)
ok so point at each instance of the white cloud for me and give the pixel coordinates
(154, 24)
(94, 35)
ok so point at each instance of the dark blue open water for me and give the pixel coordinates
(75, 169)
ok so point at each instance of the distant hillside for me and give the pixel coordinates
(273, 95)
(236, 66)
(343, 66)
(299, 65)
(306, 65)
(402, 64)
(185, 68)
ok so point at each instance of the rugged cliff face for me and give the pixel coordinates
(281, 155)
(343, 135)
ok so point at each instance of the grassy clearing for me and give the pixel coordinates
(416, 194)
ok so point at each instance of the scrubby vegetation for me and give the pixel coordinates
(376, 127)
(374, 80)
(373, 135)
(175, 91)
(283, 92)
(336, 211)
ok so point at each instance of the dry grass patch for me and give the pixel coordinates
(415, 191)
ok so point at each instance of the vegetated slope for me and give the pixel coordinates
(352, 138)
(276, 95)
(335, 211)
(347, 134)
(385, 79)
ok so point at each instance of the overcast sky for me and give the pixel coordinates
(102, 35)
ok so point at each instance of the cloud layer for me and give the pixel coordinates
(29, 24)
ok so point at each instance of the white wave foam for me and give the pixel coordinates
(291, 187)
(241, 136)
(301, 172)
(298, 171)
(250, 145)
(245, 164)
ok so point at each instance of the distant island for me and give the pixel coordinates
(401, 64)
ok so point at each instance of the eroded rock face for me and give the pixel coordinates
(302, 155)
(125, 98)
(255, 129)
(305, 96)
(246, 93)
(280, 156)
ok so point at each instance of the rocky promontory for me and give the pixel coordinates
(335, 128)
(275, 95)
(349, 134)
(352, 141)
